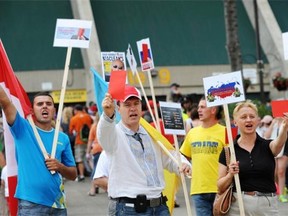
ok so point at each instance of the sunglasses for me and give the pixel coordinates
(117, 67)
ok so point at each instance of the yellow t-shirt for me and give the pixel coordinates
(184, 116)
(203, 146)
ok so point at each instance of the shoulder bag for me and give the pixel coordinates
(222, 202)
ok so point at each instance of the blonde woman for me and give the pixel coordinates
(67, 114)
(255, 163)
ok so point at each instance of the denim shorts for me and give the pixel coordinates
(26, 208)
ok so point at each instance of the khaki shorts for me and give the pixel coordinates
(255, 205)
(80, 152)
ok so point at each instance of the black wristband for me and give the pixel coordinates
(112, 116)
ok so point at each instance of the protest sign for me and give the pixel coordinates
(131, 59)
(279, 107)
(106, 61)
(224, 89)
(285, 44)
(117, 84)
(72, 33)
(145, 54)
(172, 118)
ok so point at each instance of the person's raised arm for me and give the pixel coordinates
(267, 134)
(277, 144)
(7, 106)
(108, 105)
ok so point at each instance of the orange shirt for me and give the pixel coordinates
(96, 148)
(77, 122)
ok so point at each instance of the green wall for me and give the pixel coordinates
(181, 32)
(27, 32)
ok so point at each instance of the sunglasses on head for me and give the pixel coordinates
(117, 67)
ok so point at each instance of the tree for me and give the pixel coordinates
(232, 41)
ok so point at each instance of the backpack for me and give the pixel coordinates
(84, 133)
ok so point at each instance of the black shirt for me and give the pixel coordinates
(256, 168)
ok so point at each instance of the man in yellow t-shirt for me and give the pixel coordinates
(203, 145)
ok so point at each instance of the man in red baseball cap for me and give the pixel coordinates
(138, 189)
(131, 91)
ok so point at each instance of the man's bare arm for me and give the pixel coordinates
(7, 106)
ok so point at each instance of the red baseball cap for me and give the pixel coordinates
(131, 91)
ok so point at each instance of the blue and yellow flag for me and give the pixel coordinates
(171, 179)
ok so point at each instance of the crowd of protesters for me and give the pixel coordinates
(201, 124)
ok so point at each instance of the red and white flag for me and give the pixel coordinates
(19, 98)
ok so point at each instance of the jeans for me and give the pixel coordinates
(111, 207)
(26, 208)
(123, 210)
(95, 161)
(204, 203)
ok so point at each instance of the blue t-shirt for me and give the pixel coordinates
(35, 182)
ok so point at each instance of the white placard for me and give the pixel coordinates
(172, 118)
(285, 44)
(224, 89)
(72, 33)
(248, 73)
(47, 86)
(131, 59)
(145, 54)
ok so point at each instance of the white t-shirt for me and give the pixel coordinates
(4, 177)
(102, 168)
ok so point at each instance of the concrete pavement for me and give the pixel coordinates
(80, 204)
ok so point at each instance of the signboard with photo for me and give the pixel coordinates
(107, 58)
(72, 33)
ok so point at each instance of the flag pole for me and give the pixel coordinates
(133, 66)
(233, 159)
(154, 99)
(61, 102)
(146, 99)
(168, 153)
(189, 212)
(38, 138)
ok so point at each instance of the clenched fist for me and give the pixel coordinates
(108, 105)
